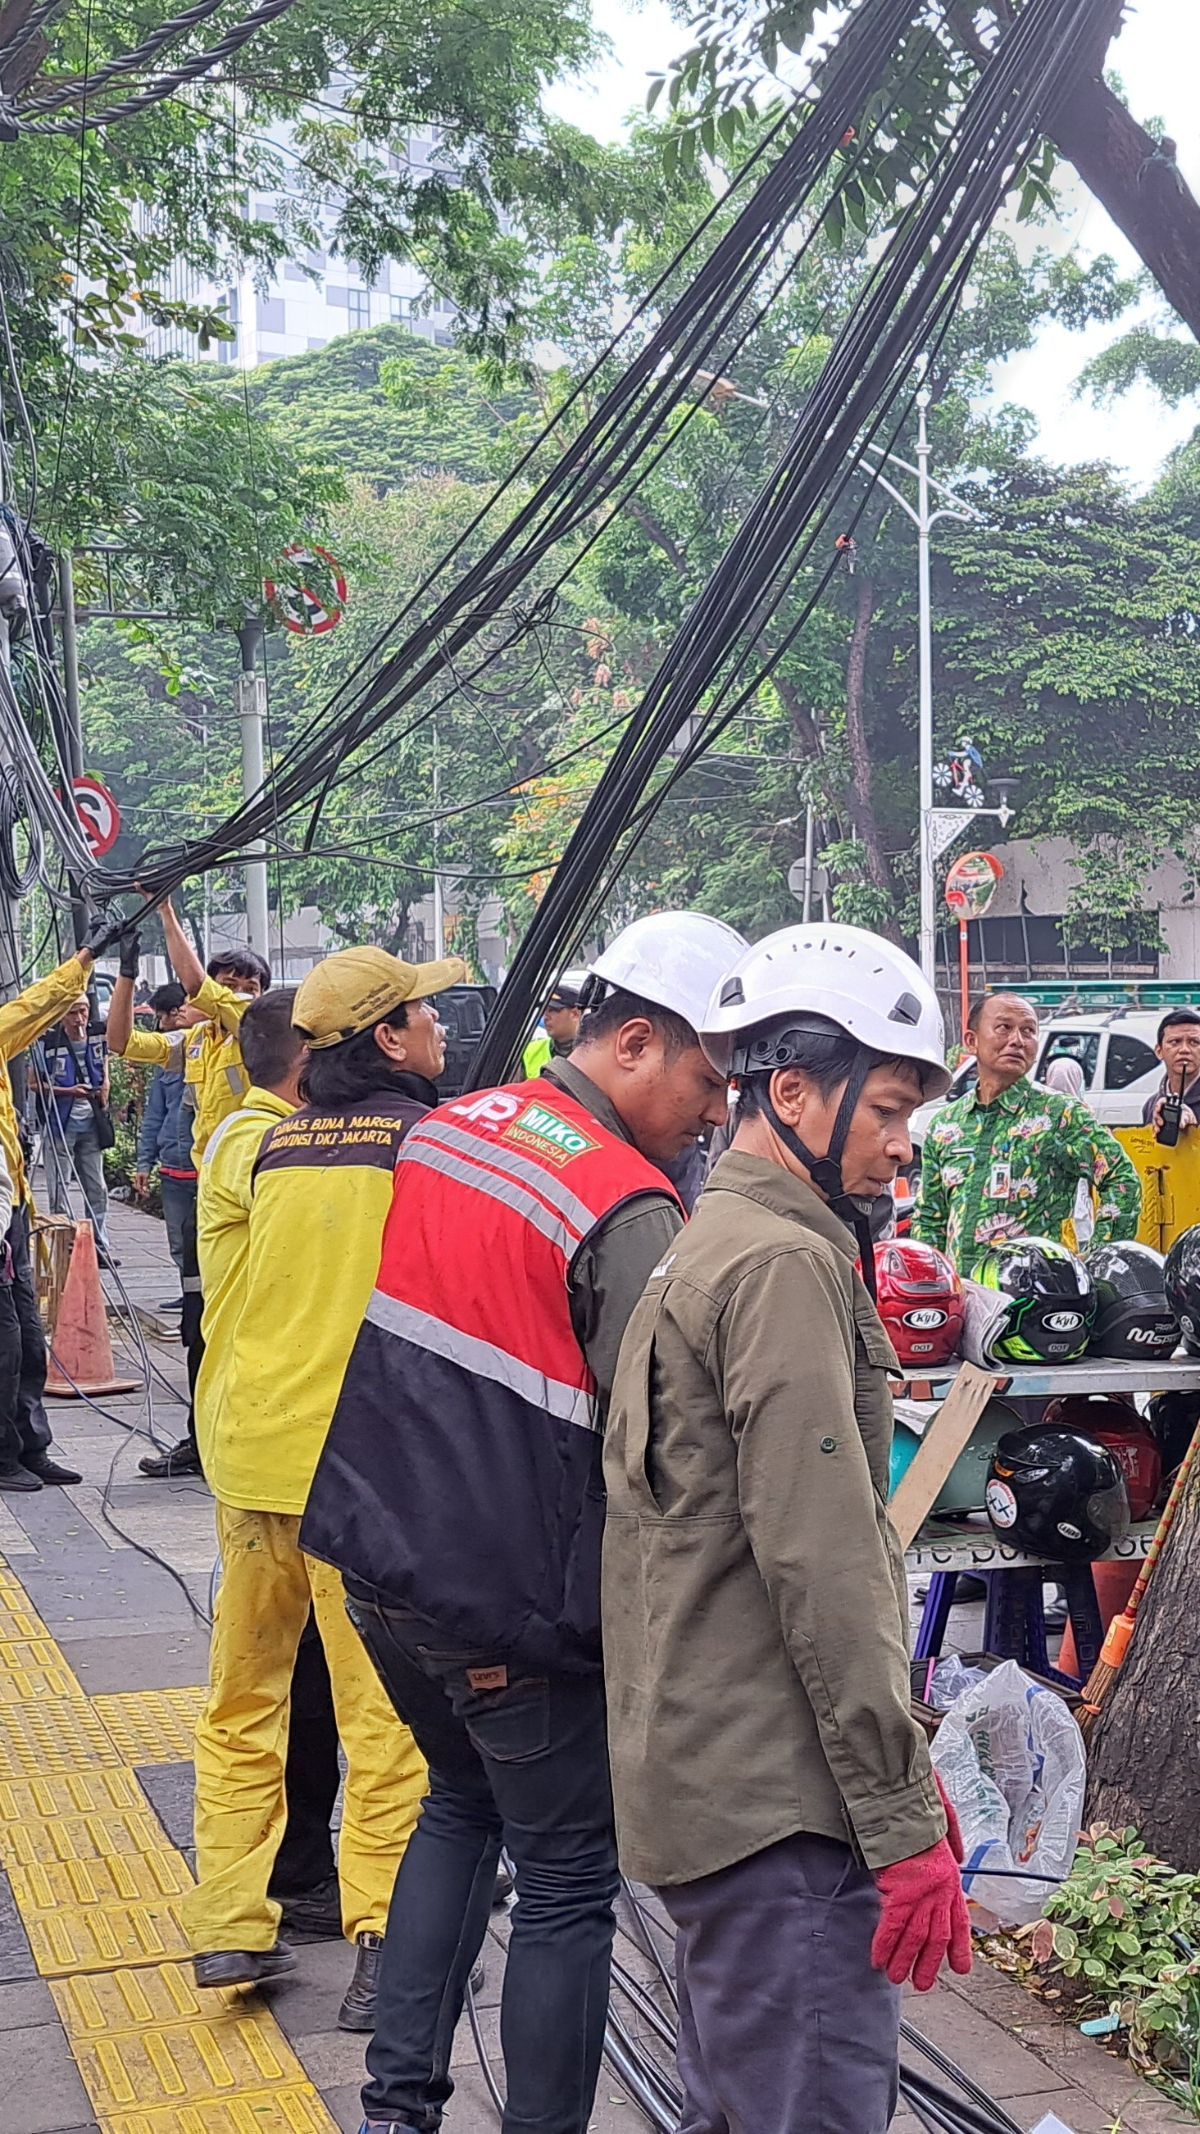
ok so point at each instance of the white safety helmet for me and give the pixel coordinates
(809, 976)
(677, 959)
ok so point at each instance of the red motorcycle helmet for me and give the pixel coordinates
(1115, 1423)
(920, 1300)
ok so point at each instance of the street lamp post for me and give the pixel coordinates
(937, 827)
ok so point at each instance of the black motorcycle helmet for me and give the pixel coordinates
(1057, 1494)
(1173, 1418)
(1133, 1318)
(1053, 1300)
(1181, 1276)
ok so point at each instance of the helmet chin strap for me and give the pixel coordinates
(826, 1171)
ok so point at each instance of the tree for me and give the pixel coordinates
(718, 84)
(1144, 1762)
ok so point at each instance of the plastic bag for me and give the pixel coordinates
(1011, 1758)
(951, 1679)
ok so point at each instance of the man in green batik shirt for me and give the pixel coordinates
(1006, 1160)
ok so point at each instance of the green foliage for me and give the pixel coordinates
(1126, 1928)
(1164, 360)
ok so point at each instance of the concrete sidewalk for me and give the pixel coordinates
(102, 1658)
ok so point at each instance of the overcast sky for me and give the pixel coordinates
(1158, 59)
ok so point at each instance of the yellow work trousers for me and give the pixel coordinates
(268, 1586)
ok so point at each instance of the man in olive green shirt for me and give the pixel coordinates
(768, 1776)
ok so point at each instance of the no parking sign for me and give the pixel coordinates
(99, 815)
(310, 610)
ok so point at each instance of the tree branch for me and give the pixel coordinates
(657, 532)
(1141, 188)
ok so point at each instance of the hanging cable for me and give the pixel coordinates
(188, 70)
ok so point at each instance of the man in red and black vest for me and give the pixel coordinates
(460, 1494)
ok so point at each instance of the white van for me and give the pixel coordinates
(1115, 1049)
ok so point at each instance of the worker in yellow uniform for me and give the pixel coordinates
(215, 1082)
(321, 1189)
(557, 1031)
(26, 1461)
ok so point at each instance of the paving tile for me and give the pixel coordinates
(971, 2039)
(24, 2005)
(42, 2089)
(59, 1734)
(333, 2059)
(170, 1790)
(344, 2105)
(306, 2003)
(81, 1585)
(152, 1726)
(16, 1956)
(149, 1659)
(297, 2110)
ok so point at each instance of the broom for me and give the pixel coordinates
(1099, 1684)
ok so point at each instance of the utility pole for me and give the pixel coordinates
(72, 726)
(252, 707)
(439, 902)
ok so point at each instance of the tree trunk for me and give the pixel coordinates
(1145, 1760)
(862, 806)
(1141, 188)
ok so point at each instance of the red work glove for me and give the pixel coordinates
(924, 1918)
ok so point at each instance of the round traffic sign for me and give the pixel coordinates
(310, 610)
(972, 883)
(98, 813)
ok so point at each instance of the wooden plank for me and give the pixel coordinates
(945, 1436)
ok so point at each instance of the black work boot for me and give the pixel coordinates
(314, 1914)
(244, 1967)
(48, 1470)
(181, 1459)
(357, 2011)
(19, 1478)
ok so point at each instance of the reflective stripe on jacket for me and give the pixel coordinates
(462, 1471)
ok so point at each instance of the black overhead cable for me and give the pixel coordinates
(888, 327)
(155, 92)
(593, 464)
(53, 95)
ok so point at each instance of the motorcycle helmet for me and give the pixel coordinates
(919, 1298)
(1181, 1278)
(1173, 1418)
(1057, 1494)
(1133, 1319)
(965, 1487)
(1117, 1424)
(1053, 1299)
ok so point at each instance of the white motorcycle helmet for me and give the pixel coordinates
(822, 980)
(677, 959)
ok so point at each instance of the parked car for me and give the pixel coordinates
(464, 1009)
(1114, 1048)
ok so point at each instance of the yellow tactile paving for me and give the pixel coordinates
(18, 1620)
(98, 1889)
(152, 1726)
(98, 1835)
(121, 1878)
(297, 2110)
(30, 1684)
(185, 2063)
(102, 1937)
(57, 1734)
(69, 1793)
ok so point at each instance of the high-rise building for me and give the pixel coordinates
(312, 298)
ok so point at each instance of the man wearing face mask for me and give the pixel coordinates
(320, 1189)
(460, 1493)
(768, 1776)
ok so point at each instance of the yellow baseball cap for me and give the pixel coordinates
(357, 987)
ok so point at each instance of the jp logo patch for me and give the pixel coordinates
(548, 1136)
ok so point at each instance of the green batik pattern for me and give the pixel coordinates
(1011, 1168)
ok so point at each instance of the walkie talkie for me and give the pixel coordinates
(1172, 1115)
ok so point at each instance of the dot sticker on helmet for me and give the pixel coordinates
(1001, 1504)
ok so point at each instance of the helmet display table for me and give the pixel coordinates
(945, 1548)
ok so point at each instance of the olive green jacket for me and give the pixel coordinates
(755, 1606)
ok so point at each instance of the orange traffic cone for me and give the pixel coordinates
(81, 1357)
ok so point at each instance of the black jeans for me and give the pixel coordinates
(305, 1858)
(192, 1313)
(522, 1759)
(24, 1430)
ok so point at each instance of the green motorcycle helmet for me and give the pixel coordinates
(1053, 1300)
(964, 1487)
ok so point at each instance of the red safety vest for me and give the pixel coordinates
(461, 1476)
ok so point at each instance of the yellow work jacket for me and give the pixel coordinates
(321, 1193)
(223, 1240)
(22, 1020)
(215, 1079)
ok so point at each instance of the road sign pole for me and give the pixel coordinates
(964, 976)
(72, 737)
(252, 706)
